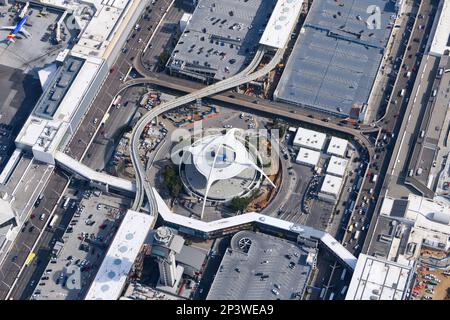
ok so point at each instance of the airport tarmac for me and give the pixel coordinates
(30, 54)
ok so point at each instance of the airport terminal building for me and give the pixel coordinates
(337, 56)
(68, 94)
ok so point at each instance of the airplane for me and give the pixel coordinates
(17, 29)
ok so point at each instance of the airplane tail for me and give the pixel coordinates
(10, 38)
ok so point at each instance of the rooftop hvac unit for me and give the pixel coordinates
(373, 297)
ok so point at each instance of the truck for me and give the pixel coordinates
(117, 100)
(374, 178)
(349, 153)
(356, 236)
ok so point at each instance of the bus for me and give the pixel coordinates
(53, 221)
(352, 206)
(30, 258)
(344, 272)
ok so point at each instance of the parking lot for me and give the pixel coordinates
(83, 246)
(432, 283)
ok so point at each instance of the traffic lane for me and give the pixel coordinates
(33, 272)
(108, 91)
(417, 117)
(43, 254)
(110, 134)
(164, 37)
(394, 126)
(402, 83)
(26, 239)
(396, 53)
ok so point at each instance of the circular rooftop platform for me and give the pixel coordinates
(224, 161)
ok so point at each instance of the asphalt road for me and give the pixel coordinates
(429, 6)
(118, 72)
(392, 123)
(27, 238)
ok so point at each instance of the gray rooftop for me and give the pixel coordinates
(191, 256)
(256, 264)
(336, 57)
(51, 99)
(221, 38)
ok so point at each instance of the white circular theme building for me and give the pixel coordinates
(220, 167)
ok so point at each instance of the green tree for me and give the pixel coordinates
(172, 181)
(163, 58)
(239, 203)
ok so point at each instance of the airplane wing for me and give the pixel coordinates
(7, 28)
(25, 32)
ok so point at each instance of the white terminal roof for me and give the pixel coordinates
(331, 185)
(441, 37)
(337, 166)
(435, 211)
(308, 156)
(46, 135)
(110, 279)
(377, 279)
(309, 139)
(281, 23)
(247, 218)
(6, 212)
(99, 30)
(337, 147)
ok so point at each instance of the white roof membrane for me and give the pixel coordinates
(110, 279)
(281, 23)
